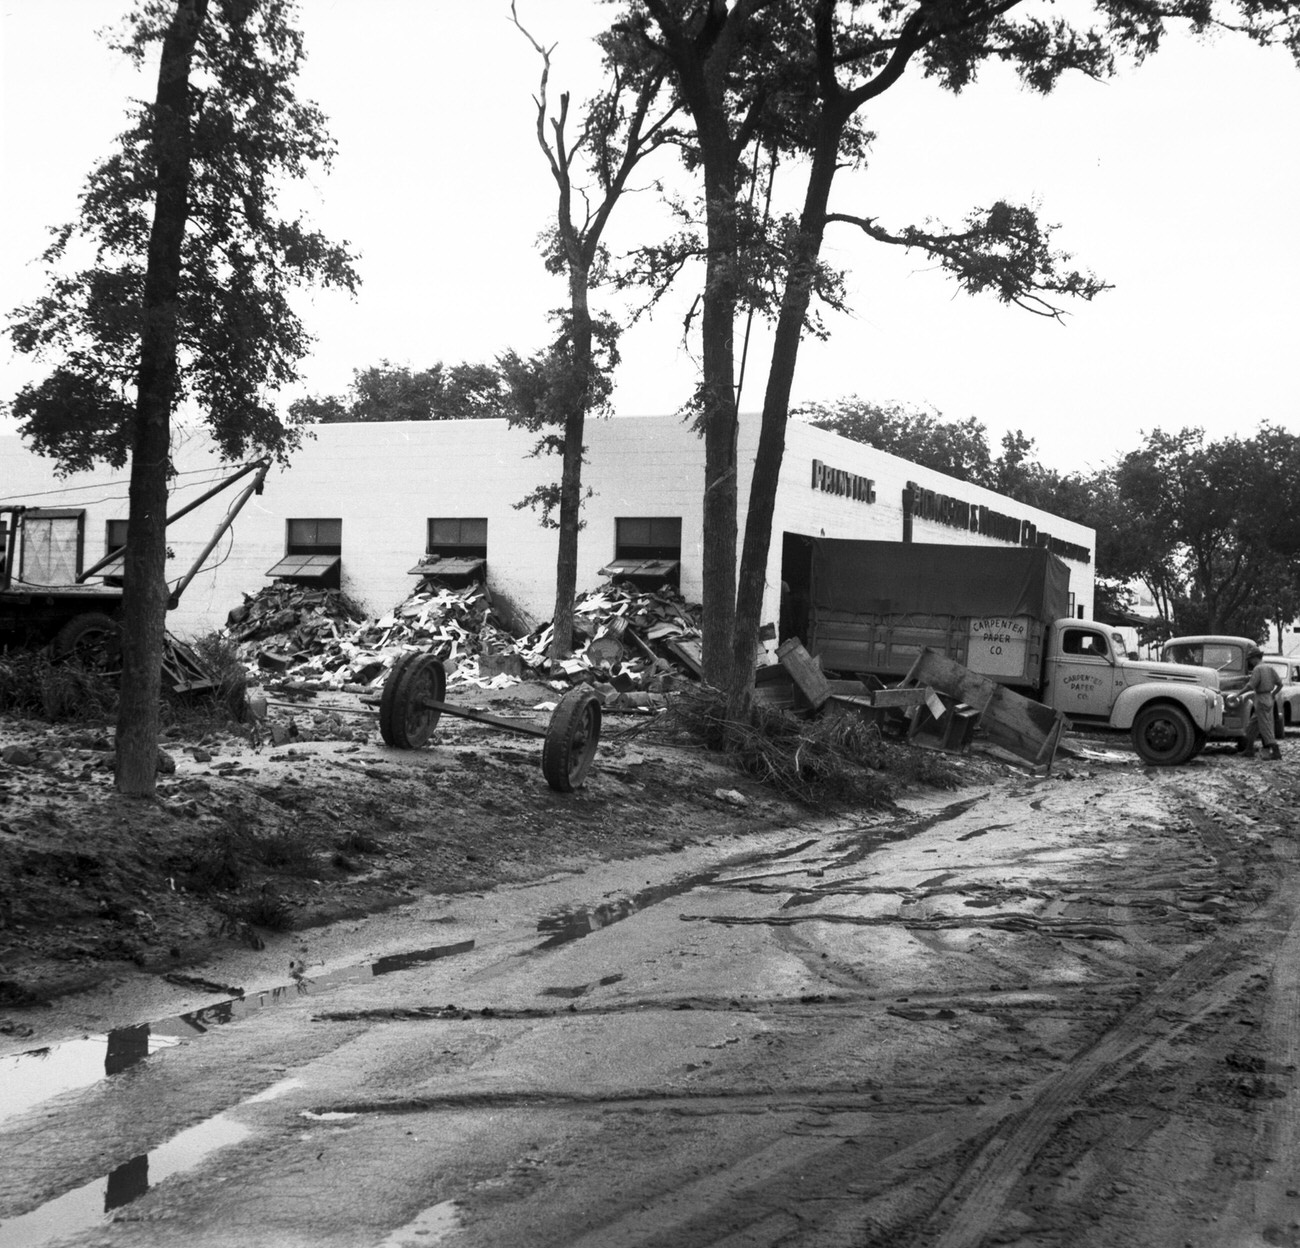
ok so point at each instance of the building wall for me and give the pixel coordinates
(386, 480)
(875, 511)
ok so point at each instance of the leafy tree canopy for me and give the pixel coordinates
(239, 338)
(1210, 525)
(387, 391)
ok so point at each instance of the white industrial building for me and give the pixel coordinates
(364, 503)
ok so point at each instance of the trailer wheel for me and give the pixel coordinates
(1164, 735)
(571, 740)
(404, 719)
(92, 639)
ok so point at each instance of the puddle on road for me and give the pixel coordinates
(430, 1227)
(28, 1078)
(93, 1203)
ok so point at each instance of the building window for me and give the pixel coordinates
(463, 538)
(312, 553)
(647, 550)
(648, 537)
(315, 537)
(114, 540)
(455, 550)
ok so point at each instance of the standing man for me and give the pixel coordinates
(1263, 682)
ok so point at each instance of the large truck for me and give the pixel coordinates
(871, 608)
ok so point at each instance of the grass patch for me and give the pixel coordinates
(30, 684)
(241, 852)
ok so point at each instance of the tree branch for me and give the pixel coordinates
(1003, 249)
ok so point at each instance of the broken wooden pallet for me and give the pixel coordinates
(1025, 728)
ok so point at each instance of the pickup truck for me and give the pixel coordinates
(869, 608)
(1227, 655)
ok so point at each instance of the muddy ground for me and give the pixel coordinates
(248, 836)
(1050, 1012)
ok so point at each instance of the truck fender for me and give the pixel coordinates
(1202, 704)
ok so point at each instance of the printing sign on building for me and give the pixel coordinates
(837, 481)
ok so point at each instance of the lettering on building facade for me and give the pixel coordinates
(956, 513)
(847, 484)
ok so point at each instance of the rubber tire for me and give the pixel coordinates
(1199, 740)
(571, 739)
(403, 721)
(94, 638)
(1164, 735)
(1279, 724)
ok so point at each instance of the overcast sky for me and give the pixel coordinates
(1179, 183)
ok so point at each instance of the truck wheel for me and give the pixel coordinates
(93, 639)
(1198, 741)
(1164, 735)
(1279, 725)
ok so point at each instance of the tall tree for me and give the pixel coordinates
(833, 58)
(1206, 518)
(958, 448)
(188, 295)
(556, 391)
(386, 391)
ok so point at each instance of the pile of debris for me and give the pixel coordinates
(627, 640)
(321, 639)
(629, 643)
(299, 619)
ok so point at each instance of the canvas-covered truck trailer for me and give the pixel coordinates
(873, 608)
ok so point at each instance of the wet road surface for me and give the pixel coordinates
(1054, 1012)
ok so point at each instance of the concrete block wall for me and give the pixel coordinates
(386, 480)
(803, 508)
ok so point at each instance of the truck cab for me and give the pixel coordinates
(1226, 654)
(1171, 709)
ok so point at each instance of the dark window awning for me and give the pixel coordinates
(448, 565)
(635, 568)
(305, 567)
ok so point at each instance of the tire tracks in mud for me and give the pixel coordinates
(954, 1186)
(976, 1203)
(974, 1209)
(1265, 1209)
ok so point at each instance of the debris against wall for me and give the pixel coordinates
(627, 640)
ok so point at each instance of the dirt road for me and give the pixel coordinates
(1036, 1012)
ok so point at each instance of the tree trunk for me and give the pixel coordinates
(719, 416)
(144, 598)
(578, 398)
(776, 408)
